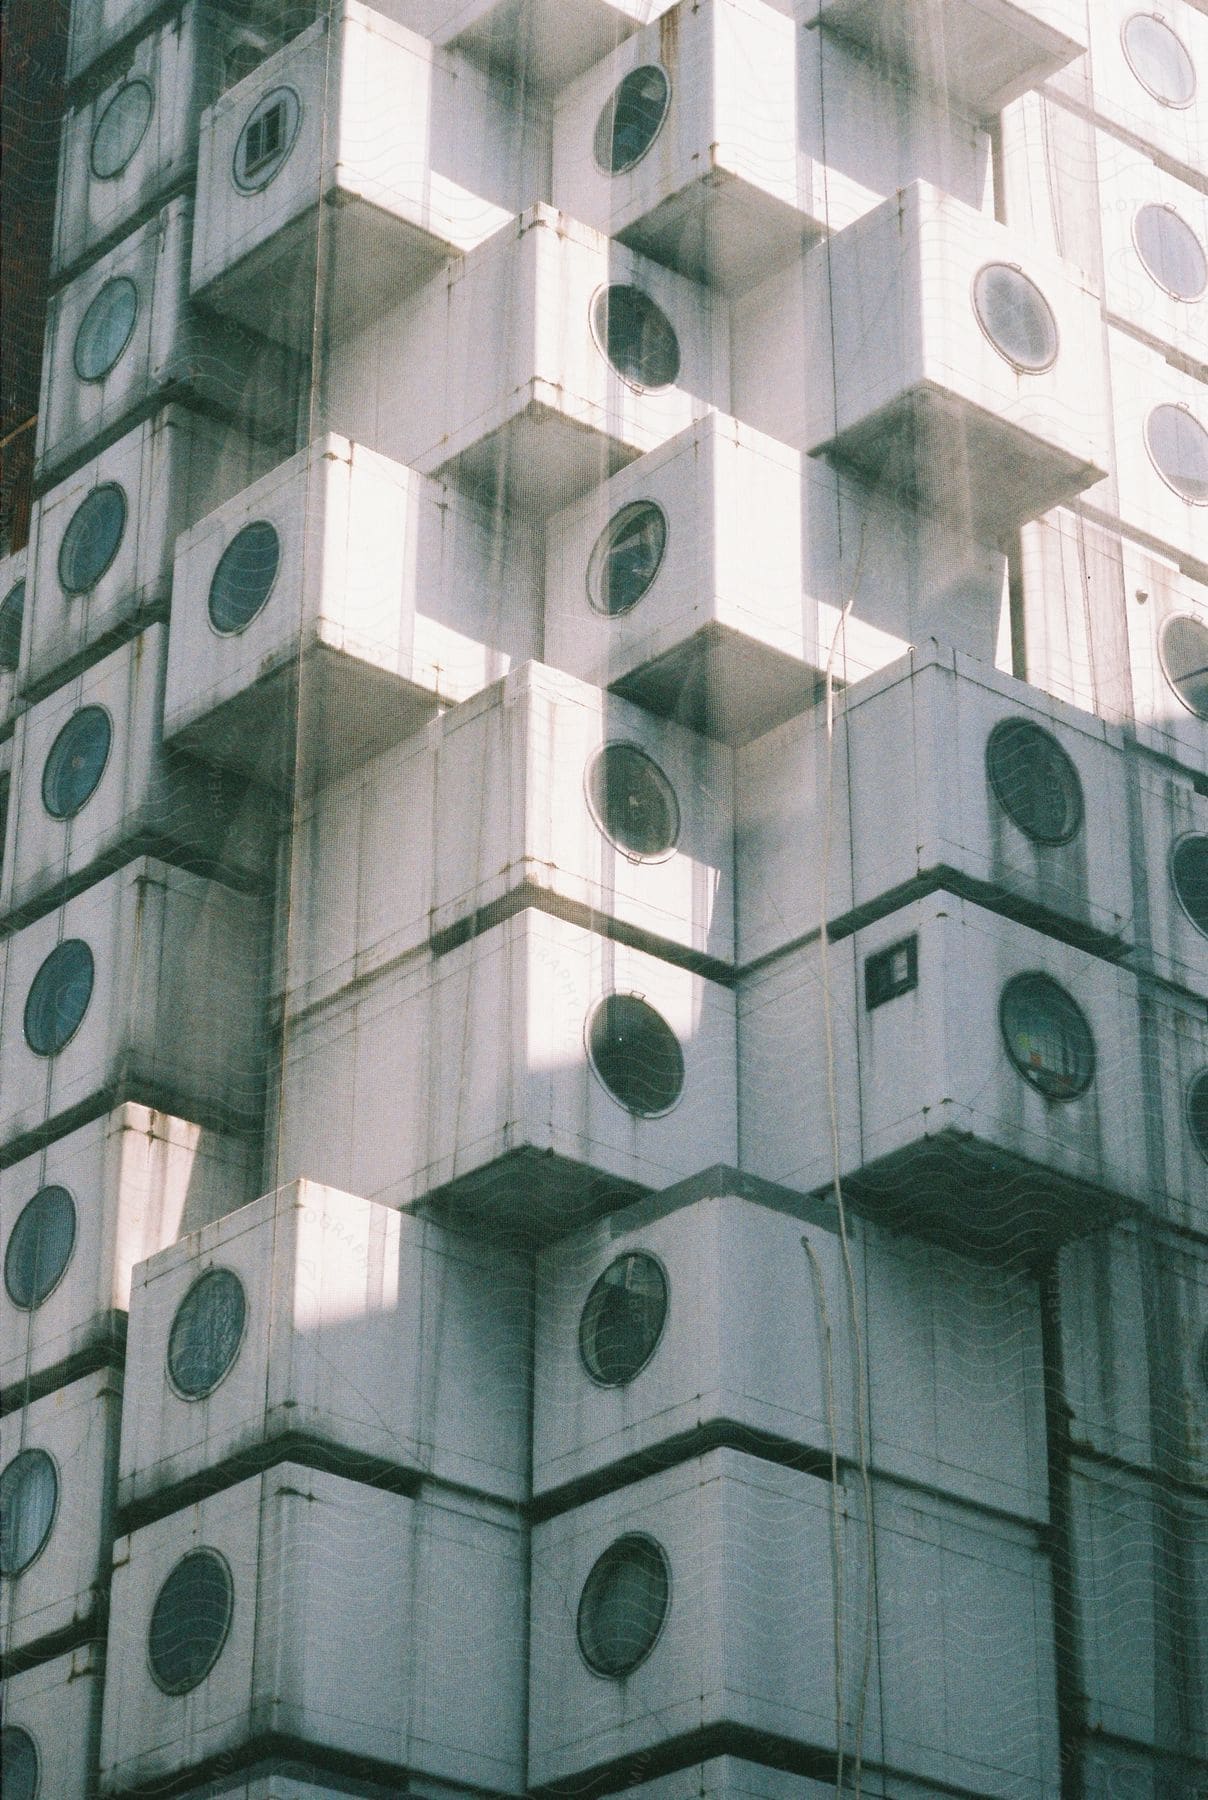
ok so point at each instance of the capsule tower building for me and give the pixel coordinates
(604, 907)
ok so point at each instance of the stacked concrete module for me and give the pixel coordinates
(604, 1095)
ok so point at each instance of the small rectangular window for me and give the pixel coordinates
(891, 972)
(264, 139)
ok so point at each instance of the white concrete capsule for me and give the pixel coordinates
(544, 360)
(941, 770)
(1149, 80)
(987, 1077)
(959, 373)
(528, 1077)
(1155, 250)
(92, 781)
(645, 1334)
(14, 588)
(980, 56)
(122, 335)
(1166, 617)
(103, 28)
(100, 556)
(79, 1213)
(545, 42)
(385, 595)
(1178, 1094)
(58, 1471)
(327, 1611)
(1174, 839)
(55, 1707)
(683, 144)
(364, 140)
(312, 1314)
(94, 1002)
(733, 1778)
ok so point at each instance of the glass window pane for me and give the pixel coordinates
(266, 139)
(76, 762)
(1016, 318)
(29, 1496)
(40, 1247)
(91, 540)
(58, 997)
(626, 557)
(18, 1764)
(1047, 1037)
(1183, 648)
(106, 329)
(1178, 444)
(244, 578)
(623, 1606)
(1034, 781)
(206, 1333)
(623, 1319)
(190, 1621)
(636, 1055)
(633, 801)
(12, 612)
(636, 336)
(632, 119)
(1158, 60)
(1189, 874)
(1171, 252)
(121, 128)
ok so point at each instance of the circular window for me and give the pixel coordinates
(623, 1606)
(1158, 60)
(106, 328)
(1016, 318)
(1183, 648)
(18, 1764)
(1197, 1112)
(91, 540)
(1189, 878)
(636, 1055)
(1047, 1037)
(39, 1247)
(633, 801)
(244, 577)
(266, 139)
(1178, 444)
(29, 1498)
(632, 119)
(76, 762)
(626, 557)
(121, 129)
(623, 1319)
(206, 1333)
(635, 336)
(190, 1621)
(1034, 781)
(1170, 251)
(58, 997)
(12, 612)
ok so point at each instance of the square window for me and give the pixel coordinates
(890, 972)
(265, 136)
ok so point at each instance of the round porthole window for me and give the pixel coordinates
(91, 540)
(58, 997)
(76, 762)
(29, 1499)
(1189, 878)
(1178, 444)
(1016, 318)
(1159, 60)
(1047, 1037)
(632, 119)
(623, 1606)
(244, 577)
(633, 801)
(12, 613)
(39, 1247)
(1171, 252)
(1183, 648)
(106, 329)
(626, 557)
(18, 1764)
(1197, 1112)
(266, 139)
(121, 128)
(206, 1333)
(636, 336)
(623, 1319)
(190, 1621)
(636, 1055)
(1034, 781)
